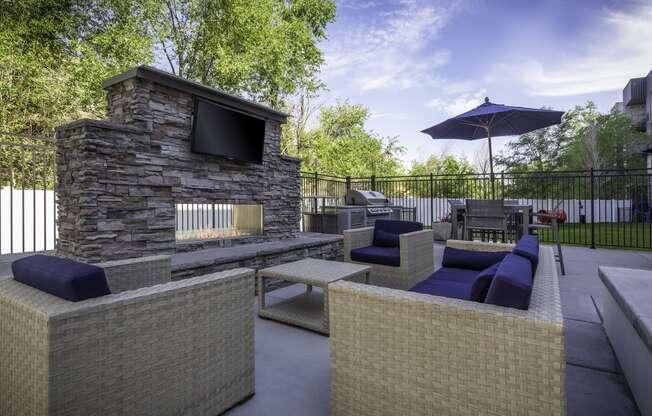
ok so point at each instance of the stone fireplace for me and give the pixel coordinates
(130, 186)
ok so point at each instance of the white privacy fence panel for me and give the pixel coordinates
(27, 220)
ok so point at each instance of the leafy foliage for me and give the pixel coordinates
(441, 165)
(341, 145)
(265, 49)
(585, 139)
(54, 55)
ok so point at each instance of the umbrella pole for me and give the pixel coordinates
(491, 166)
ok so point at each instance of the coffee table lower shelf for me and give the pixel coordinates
(305, 310)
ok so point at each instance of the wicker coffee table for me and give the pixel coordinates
(309, 309)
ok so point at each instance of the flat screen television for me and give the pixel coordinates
(219, 131)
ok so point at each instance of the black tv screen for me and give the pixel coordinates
(220, 131)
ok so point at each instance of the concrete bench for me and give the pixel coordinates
(627, 311)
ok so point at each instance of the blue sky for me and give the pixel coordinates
(415, 63)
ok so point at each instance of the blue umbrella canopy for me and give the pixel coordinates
(491, 120)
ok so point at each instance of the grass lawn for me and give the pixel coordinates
(617, 235)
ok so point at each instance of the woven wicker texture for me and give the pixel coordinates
(416, 257)
(309, 310)
(183, 347)
(131, 274)
(401, 353)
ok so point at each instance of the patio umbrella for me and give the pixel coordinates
(491, 120)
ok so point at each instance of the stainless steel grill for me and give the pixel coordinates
(362, 208)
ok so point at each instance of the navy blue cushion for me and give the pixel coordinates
(457, 283)
(446, 288)
(385, 239)
(458, 275)
(398, 227)
(482, 282)
(528, 247)
(388, 256)
(512, 283)
(65, 278)
(468, 259)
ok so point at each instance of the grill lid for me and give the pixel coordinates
(360, 197)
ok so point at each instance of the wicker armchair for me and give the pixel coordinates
(416, 257)
(402, 353)
(178, 347)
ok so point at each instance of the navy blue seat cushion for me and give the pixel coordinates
(445, 288)
(64, 278)
(468, 259)
(388, 256)
(458, 283)
(528, 247)
(386, 232)
(512, 283)
(385, 239)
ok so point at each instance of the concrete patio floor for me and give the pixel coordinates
(293, 368)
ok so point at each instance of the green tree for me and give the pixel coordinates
(441, 165)
(266, 49)
(546, 149)
(610, 141)
(341, 145)
(54, 55)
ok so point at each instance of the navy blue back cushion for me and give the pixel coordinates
(398, 227)
(482, 282)
(528, 247)
(385, 239)
(512, 283)
(64, 278)
(468, 259)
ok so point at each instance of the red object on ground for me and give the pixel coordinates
(543, 220)
(561, 215)
(557, 212)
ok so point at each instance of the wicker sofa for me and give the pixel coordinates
(398, 352)
(416, 257)
(152, 347)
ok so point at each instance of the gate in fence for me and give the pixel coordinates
(608, 208)
(27, 197)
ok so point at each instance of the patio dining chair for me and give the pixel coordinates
(485, 216)
(548, 221)
(460, 216)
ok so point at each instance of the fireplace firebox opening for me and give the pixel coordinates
(217, 221)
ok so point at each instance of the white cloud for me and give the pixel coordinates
(392, 116)
(389, 48)
(620, 50)
(458, 105)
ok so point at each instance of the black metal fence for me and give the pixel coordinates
(609, 208)
(27, 197)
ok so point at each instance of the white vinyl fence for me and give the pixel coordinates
(606, 210)
(27, 220)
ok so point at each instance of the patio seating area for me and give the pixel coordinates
(293, 364)
(251, 316)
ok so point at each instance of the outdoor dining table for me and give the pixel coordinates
(522, 210)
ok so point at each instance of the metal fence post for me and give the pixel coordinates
(502, 185)
(592, 208)
(316, 191)
(348, 183)
(432, 201)
(373, 182)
